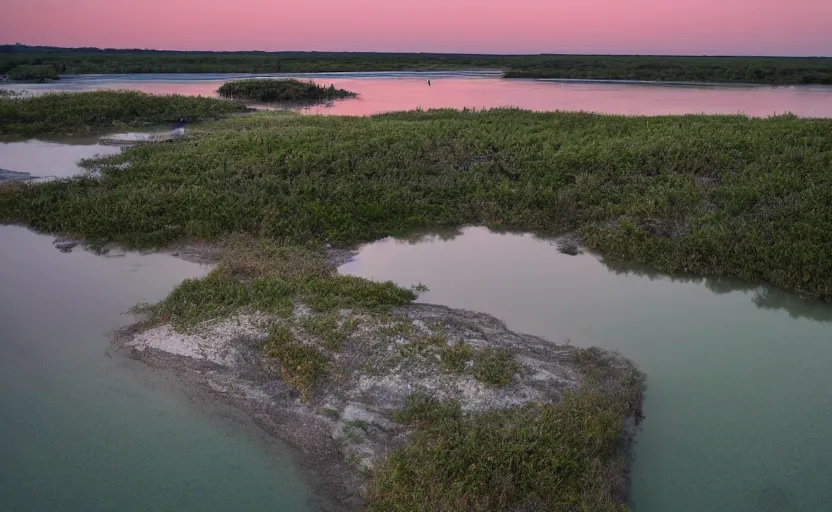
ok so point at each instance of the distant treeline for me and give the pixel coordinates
(74, 61)
(758, 70)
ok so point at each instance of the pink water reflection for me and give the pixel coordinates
(378, 96)
(386, 94)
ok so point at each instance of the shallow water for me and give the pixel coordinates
(46, 159)
(739, 403)
(82, 429)
(396, 91)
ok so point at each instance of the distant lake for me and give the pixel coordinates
(395, 91)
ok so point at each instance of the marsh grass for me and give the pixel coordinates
(263, 276)
(563, 457)
(703, 195)
(284, 90)
(94, 112)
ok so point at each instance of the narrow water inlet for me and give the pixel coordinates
(739, 401)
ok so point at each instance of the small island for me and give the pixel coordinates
(287, 90)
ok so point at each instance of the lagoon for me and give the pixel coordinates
(381, 92)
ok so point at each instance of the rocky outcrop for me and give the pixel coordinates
(344, 425)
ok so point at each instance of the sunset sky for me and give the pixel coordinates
(735, 27)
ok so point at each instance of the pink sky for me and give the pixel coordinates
(723, 27)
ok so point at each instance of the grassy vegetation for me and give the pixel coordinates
(495, 367)
(455, 357)
(751, 70)
(284, 90)
(302, 366)
(769, 70)
(704, 195)
(266, 277)
(564, 457)
(33, 73)
(74, 113)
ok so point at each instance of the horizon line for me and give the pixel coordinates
(169, 50)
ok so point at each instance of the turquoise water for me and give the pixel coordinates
(82, 429)
(739, 402)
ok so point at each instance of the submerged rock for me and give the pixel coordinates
(774, 498)
(568, 246)
(65, 244)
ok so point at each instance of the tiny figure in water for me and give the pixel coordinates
(428, 83)
(178, 129)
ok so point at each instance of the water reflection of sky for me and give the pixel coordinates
(395, 91)
(738, 414)
(49, 159)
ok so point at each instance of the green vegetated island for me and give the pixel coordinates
(282, 91)
(38, 63)
(418, 407)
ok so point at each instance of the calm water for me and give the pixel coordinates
(386, 92)
(739, 405)
(50, 159)
(83, 431)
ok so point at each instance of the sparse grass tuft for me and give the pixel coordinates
(455, 358)
(329, 328)
(495, 367)
(302, 366)
(330, 413)
(360, 424)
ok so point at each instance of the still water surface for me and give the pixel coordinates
(47, 159)
(739, 402)
(396, 91)
(82, 429)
